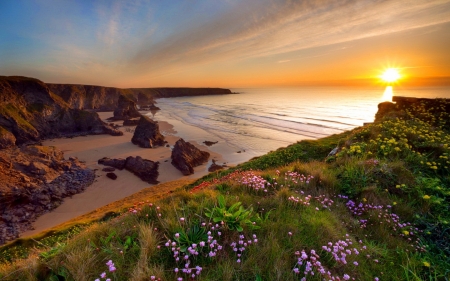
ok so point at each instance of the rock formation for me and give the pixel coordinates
(106, 98)
(147, 133)
(33, 181)
(186, 156)
(215, 167)
(115, 163)
(31, 112)
(111, 175)
(126, 109)
(146, 170)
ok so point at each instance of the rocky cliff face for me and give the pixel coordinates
(31, 112)
(106, 98)
(33, 181)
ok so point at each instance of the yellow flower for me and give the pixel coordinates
(427, 264)
(397, 186)
(364, 199)
(394, 203)
(426, 197)
(397, 148)
(405, 232)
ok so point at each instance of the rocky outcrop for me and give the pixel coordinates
(33, 181)
(186, 156)
(147, 133)
(106, 98)
(398, 107)
(118, 163)
(31, 112)
(146, 170)
(126, 109)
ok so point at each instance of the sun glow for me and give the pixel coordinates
(390, 75)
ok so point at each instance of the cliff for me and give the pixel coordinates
(401, 105)
(30, 111)
(106, 98)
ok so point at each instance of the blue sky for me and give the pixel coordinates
(222, 43)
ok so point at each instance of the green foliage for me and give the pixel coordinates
(193, 235)
(234, 217)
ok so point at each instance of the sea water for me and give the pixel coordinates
(256, 121)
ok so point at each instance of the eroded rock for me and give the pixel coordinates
(147, 133)
(185, 156)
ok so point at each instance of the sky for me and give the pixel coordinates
(225, 43)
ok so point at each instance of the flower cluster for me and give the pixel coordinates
(207, 249)
(340, 250)
(111, 268)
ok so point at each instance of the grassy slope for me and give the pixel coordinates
(382, 201)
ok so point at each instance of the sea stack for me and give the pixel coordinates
(186, 156)
(147, 133)
(126, 109)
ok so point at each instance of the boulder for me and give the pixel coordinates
(7, 139)
(126, 109)
(145, 169)
(111, 176)
(147, 133)
(116, 163)
(186, 156)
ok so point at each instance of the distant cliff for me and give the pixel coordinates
(30, 111)
(105, 98)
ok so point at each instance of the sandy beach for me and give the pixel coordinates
(104, 190)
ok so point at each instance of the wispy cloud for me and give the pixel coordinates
(264, 28)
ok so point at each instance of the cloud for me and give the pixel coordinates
(264, 28)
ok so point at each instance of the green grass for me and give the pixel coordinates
(385, 195)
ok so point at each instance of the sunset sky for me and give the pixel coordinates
(229, 43)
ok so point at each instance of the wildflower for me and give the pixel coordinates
(103, 275)
(152, 277)
(182, 219)
(346, 277)
(290, 233)
(427, 264)
(426, 197)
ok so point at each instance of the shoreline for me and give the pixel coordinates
(105, 191)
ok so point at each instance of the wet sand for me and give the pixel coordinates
(104, 190)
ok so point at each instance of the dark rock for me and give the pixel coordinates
(147, 133)
(109, 169)
(35, 180)
(215, 167)
(145, 169)
(111, 176)
(186, 156)
(130, 122)
(116, 163)
(126, 109)
(209, 143)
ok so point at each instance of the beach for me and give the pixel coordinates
(104, 190)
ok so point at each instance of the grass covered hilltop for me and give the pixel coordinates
(376, 210)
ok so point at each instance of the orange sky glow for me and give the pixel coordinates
(227, 43)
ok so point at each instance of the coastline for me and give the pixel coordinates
(104, 190)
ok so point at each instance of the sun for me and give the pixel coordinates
(390, 75)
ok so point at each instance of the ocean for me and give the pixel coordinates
(256, 121)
